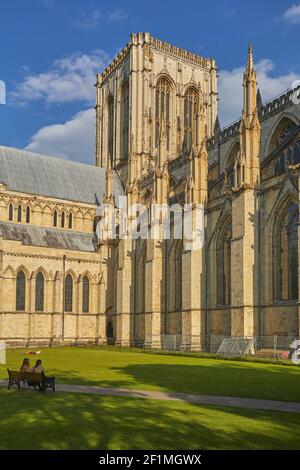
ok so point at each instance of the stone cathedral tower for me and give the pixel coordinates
(150, 81)
(156, 103)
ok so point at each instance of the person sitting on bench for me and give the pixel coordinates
(25, 367)
(38, 368)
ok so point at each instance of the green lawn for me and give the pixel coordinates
(77, 421)
(168, 373)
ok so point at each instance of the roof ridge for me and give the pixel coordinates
(54, 157)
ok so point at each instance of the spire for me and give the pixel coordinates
(258, 99)
(249, 85)
(248, 168)
(217, 128)
(250, 65)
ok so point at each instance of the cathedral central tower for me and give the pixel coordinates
(148, 82)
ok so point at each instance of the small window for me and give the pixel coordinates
(20, 291)
(68, 293)
(27, 215)
(55, 218)
(70, 220)
(62, 222)
(11, 212)
(19, 213)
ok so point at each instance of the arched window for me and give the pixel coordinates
(162, 109)
(223, 265)
(27, 215)
(110, 128)
(85, 295)
(190, 117)
(284, 129)
(39, 292)
(124, 122)
(62, 221)
(68, 293)
(55, 219)
(20, 291)
(19, 213)
(70, 220)
(286, 253)
(11, 212)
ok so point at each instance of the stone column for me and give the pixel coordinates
(153, 294)
(244, 264)
(31, 307)
(103, 291)
(124, 294)
(101, 316)
(193, 313)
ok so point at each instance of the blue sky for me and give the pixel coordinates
(51, 50)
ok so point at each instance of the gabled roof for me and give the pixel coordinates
(43, 175)
(48, 237)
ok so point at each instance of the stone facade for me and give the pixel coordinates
(158, 141)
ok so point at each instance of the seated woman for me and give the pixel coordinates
(38, 368)
(25, 367)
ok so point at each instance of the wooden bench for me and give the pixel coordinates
(32, 379)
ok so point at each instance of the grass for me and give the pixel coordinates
(78, 421)
(166, 373)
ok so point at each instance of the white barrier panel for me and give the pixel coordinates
(2, 352)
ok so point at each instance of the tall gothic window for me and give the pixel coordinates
(62, 220)
(110, 128)
(286, 252)
(19, 213)
(190, 116)
(68, 293)
(27, 215)
(39, 292)
(124, 122)
(55, 219)
(223, 265)
(70, 220)
(20, 291)
(85, 294)
(11, 212)
(162, 109)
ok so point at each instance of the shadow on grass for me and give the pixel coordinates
(236, 379)
(75, 421)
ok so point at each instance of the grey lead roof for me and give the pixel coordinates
(33, 173)
(48, 237)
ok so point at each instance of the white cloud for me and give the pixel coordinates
(90, 18)
(231, 91)
(68, 79)
(72, 140)
(292, 14)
